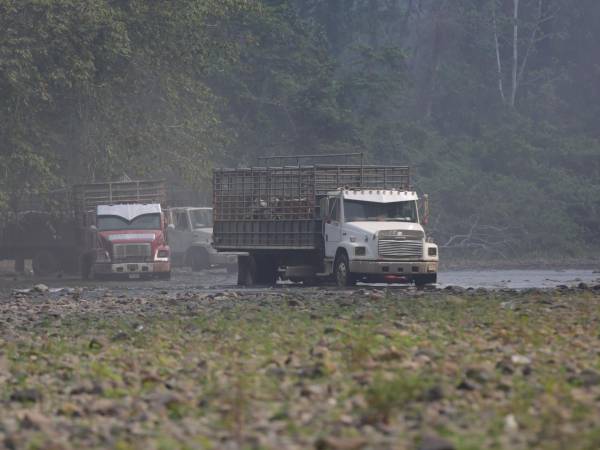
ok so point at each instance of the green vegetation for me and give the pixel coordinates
(479, 370)
(507, 148)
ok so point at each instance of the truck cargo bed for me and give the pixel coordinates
(89, 196)
(278, 207)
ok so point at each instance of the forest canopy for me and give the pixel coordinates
(494, 103)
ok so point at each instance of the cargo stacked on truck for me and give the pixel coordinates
(124, 229)
(305, 222)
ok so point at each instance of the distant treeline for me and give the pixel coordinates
(495, 103)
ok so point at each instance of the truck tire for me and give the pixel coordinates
(86, 268)
(199, 259)
(69, 263)
(256, 269)
(341, 271)
(266, 270)
(166, 276)
(423, 280)
(246, 271)
(44, 263)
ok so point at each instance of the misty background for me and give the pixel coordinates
(494, 103)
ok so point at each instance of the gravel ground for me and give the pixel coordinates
(98, 367)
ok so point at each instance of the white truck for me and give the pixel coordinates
(190, 240)
(346, 222)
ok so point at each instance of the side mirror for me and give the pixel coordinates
(170, 227)
(93, 228)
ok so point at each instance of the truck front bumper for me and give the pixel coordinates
(133, 269)
(398, 268)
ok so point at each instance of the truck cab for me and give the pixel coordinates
(190, 239)
(130, 242)
(376, 236)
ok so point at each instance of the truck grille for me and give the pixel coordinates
(132, 252)
(392, 248)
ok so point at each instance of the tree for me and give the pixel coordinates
(521, 48)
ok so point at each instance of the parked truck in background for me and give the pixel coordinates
(190, 240)
(99, 229)
(44, 231)
(125, 229)
(305, 222)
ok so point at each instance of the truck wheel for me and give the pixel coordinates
(266, 269)
(341, 270)
(86, 268)
(44, 263)
(199, 259)
(246, 271)
(423, 280)
(70, 264)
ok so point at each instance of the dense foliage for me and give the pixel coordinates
(493, 102)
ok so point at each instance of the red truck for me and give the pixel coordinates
(111, 229)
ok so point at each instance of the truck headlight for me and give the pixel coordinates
(162, 255)
(352, 239)
(360, 251)
(432, 251)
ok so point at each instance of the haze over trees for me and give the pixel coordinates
(495, 103)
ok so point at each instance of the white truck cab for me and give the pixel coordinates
(190, 239)
(376, 235)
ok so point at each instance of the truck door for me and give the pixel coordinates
(332, 227)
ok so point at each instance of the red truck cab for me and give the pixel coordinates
(131, 242)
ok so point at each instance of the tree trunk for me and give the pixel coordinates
(515, 62)
(498, 59)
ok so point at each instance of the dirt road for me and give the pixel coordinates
(214, 280)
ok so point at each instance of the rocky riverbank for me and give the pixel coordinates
(301, 368)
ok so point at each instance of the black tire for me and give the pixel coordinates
(86, 268)
(341, 271)
(266, 268)
(246, 271)
(44, 263)
(199, 259)
(256, 269)
(424, 280)
(166, 276)
(69, 263)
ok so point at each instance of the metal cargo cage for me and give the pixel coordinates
(88, 196)
(278, 207)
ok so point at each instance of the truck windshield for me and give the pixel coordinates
(201, 218)
(143, 222)
(357, 211)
